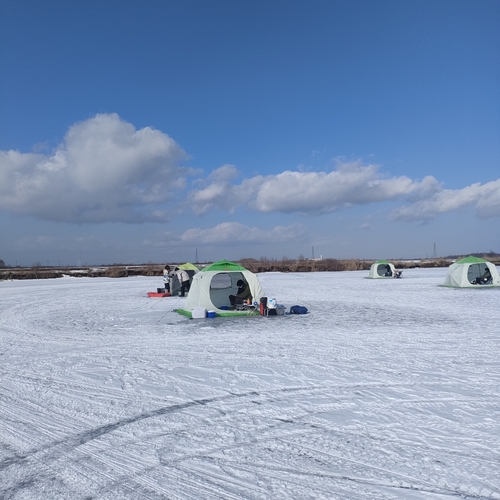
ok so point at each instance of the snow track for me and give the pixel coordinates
(388, 389)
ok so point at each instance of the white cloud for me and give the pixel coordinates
(367, 227)
(236, 233)
(352, 183)
(104, 170)
(225, 173)
(224, 195)
(485, 198)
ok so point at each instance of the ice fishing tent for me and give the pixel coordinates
(465, 273)
(382, 269)
(190, 268)
(175, 286)
(211, 287)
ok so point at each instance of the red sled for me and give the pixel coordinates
(156, 294)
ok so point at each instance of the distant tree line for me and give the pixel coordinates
(303, 265)
(262, 265)
(491, 256)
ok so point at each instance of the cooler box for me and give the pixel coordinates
(198, 313)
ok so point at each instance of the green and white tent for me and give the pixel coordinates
(382, 269)
(464, 273)
(211, 287)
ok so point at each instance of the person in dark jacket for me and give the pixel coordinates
(242, 295)
(484, 279)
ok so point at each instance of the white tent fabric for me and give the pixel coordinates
(379, 270)
(210, 290)
(463, 274)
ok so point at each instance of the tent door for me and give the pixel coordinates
(475, 270)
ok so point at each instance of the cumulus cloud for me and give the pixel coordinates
(352, 183)
(236, 233)
(484, 198)
(104, 170)
(225, 173)
(224, 195)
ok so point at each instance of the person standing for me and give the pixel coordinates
(184, 280)
(167, 273)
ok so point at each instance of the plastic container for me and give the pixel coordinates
(211, 314)
(271, 303)
(198, 313)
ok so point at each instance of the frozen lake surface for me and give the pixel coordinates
(388, 389)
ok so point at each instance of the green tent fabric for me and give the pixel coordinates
(464, 273)
(188, 267)
(211, 287)
(470, 260)
(224, 265)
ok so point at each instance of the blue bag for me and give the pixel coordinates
(298, 310)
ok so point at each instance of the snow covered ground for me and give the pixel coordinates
(388, 389)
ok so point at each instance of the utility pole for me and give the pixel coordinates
(313, 253)
(434, 255)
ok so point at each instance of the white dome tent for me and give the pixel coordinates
(382, 269)
(211, 287)
(472, 272)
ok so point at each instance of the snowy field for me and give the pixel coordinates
(388, 389)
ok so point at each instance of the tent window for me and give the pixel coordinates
(220, 281)
(475, 270)
(384, 270)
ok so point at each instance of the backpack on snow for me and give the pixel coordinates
(298, 310)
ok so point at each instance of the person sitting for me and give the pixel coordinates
(242, 295)
(388, 271)
(484, 279)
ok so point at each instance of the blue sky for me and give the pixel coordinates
(146, 131)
